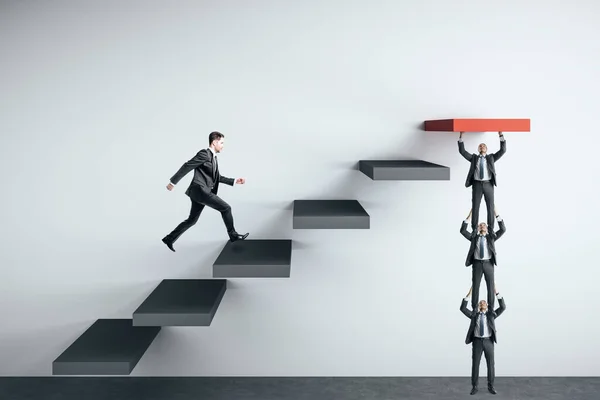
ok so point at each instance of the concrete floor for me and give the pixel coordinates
(197, 388)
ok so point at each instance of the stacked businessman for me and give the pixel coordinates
(482, 257)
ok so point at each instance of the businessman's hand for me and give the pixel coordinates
(470, 290)
(469, 216)
(240, 181)
(499, 134)
(170, 186)
(460, 136)
(495, 211)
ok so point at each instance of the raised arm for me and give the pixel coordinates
(500, 153)
(463, 305)
(463, 227)
(501, 306)
(461, 149)
(200, 158)
(501, 229)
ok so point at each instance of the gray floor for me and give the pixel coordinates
(147, 388)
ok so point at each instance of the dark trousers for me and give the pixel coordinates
(485, 346)
(485, 268)
(200, 199)
(482, 189)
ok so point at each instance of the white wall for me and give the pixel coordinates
(101, 102)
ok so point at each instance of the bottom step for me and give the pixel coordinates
(108, 347)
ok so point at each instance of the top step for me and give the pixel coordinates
(478, 125)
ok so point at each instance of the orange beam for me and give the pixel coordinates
(478, 125)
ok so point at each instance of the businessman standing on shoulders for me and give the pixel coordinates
(482, 177)
(482, 255)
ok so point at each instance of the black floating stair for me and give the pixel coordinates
(181, 302)
(254, 259)
(404, 170)
(330, 214)
(108, 347)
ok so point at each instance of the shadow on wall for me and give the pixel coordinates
(45, 345)
(278, 225)
(194, 257)
(49, 337)
(437, 147)
(199, 259)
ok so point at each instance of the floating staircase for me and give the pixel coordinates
(115, 346)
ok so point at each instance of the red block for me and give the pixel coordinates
(478, 125)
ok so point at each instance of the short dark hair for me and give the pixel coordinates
(214, 136)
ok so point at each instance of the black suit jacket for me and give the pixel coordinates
(491, 161)
(491, 318)
(206, 175)
(491, 239)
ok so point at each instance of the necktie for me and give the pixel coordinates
(481, 324)
(216, 167)
(481, 158)
(481, 246)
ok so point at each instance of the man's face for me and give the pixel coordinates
(482, 148)
(218, 145)
(483, 306)
(482, 228)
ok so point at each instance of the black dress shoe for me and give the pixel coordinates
(492, 390)
(236, 236)
(169, 244)
(474, 390)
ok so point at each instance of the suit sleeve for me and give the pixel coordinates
(226, 180)
(200, 158)
(461, 149)
(464, 231)
(501, 307)
(501, 230)
(500, 153)
(463, 308)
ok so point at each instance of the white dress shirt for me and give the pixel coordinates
(482, 318)
(478, 165)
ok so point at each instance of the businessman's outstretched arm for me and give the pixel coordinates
(463, 227)
(463, 305)
(497, 155)
(461, 149)
(200, 158)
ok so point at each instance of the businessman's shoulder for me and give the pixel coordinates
(202, 153)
